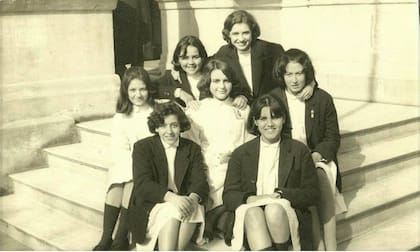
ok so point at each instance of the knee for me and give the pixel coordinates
(254, 216)
(114, 196)
(275, 214)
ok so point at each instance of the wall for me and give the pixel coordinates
(364, 50)
(56, 68)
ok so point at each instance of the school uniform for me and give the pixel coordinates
(153, 177)
(297, 180)
(263, 56)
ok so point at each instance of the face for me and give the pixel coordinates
(269, 127)
(240, 36)
(191, 62)
(170, 130)
(220, 86)
(137, 92)
(294, 77)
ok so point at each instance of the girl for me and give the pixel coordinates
(129, 125)
(314, 123)
(188, 60)
(271, 183)
(169, 183)
(218, 127)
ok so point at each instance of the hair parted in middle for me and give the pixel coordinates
(162, 110)
(277, 110)
(181, 50)
(124, 104)
(293, 55)
(237, 17)
(204, 83)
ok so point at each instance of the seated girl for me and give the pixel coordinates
(218, 127)
(129, 124)
(170, 184)
(181, 83)
(270, 184)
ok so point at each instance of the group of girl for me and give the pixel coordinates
(192, 159)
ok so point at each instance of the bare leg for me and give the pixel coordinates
(326, 210)
(256, 229)
(277, 223)
(186, 231)
(316, 230)
(168, 236)
(114, 196)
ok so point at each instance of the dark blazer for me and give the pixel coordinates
(166, 86)
(263, 57)
(297, 179)
(150, 176)
(321, 124)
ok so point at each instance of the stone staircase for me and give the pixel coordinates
(60, 207)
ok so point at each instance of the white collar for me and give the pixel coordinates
(167, 146)
(267, 145)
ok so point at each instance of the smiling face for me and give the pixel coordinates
(240, 36)
(170, 130)
(137, 93)
(191, 62)
(294, 77)
(220, 86)
(268, 126)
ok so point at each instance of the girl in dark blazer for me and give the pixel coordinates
(313, 122)
(170, 184)
(180, 84)
(251, 58)
(271, 183)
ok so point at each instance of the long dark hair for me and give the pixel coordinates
(215, 64)
(124, 104)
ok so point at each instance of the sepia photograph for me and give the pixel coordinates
(209, 125)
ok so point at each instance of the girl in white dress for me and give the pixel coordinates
(218, 127)
(129, 124)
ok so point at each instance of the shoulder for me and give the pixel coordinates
(294, 145)
(268, 46)
(249, 146)
(189, 144)
(225, 51)
(322, 96)
(146, 142)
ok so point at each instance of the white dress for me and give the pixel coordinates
(126, 130)
(218, 128)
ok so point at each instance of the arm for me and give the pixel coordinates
(120, 144)
(197, 183)
(145, 185)
(307, 193)
(233, 195)
(328, 146)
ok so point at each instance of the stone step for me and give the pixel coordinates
(378, 201)
(80, 155)
(79, 195)
(41, 227)
(96, 133)
(372, 161)
(399, 233)
(357, 125)
(357, 167)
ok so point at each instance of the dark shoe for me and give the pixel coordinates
(103, 246)
(120, 245)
